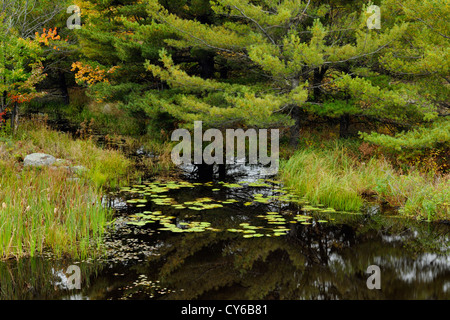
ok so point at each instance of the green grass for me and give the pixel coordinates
(110, 121)
(323, 178)
(44, 208)
(105, 167)
(163, 164)
(419, 195)
(333, 176)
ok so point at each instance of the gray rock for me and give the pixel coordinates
(38, 160)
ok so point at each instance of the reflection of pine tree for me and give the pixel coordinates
(325, 261)
(209, 263)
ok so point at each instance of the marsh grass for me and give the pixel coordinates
(46, 208)
(333, 176)
(323, 178)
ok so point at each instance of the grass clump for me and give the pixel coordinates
(323, 177)
(333, 176)
(105, 167)
(418, 195)
(42, 209)
(160, 162)
(49, 208)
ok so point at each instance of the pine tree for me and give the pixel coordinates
(116, 38)
(279, 53)
(269, 63)
(418, 67)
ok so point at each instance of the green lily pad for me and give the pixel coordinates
(138, 223)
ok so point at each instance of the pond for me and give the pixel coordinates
(246, 237)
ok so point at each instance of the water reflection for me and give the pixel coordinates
(320, 262)
(41, 278)
(314, 261)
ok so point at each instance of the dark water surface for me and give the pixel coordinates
(242, 239)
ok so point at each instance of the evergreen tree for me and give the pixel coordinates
(269, 63)
(282, 51)
(417, 66)
(115, 40)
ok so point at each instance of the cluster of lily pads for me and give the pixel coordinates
(250, 231)
(154, 191)
(141, 219)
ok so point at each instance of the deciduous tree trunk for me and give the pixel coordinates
(15, 117)
(3, 104)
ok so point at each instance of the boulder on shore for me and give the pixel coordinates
(38, 160)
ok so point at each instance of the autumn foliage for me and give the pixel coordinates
(47, 35)
(85, 73)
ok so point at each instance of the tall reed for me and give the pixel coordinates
(49, 207)
(44, 209)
